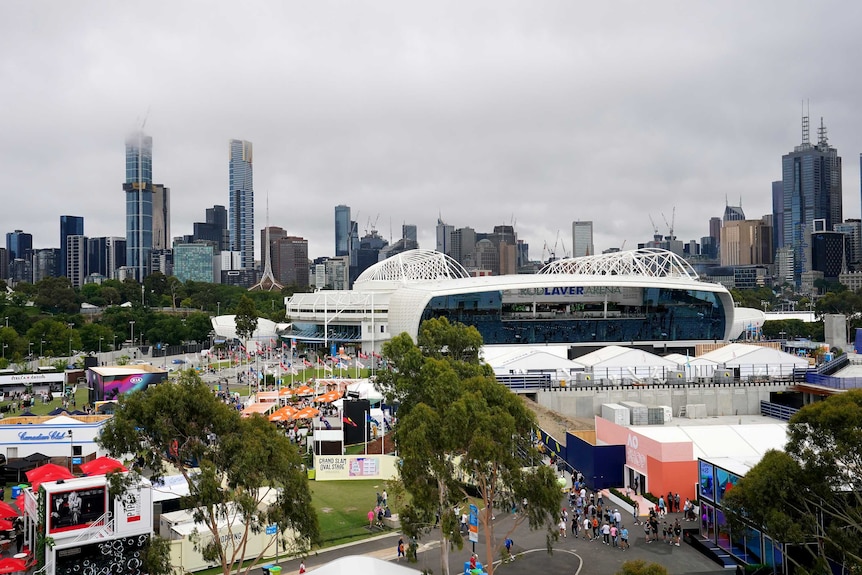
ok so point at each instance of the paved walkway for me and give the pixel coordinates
(570, 555)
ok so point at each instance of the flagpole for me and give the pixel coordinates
(365, 432)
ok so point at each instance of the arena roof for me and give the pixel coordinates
(648, 262)
(412, 266)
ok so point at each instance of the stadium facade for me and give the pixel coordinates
(648, 298)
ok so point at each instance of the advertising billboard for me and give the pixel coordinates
(111, 383)
(76, 509)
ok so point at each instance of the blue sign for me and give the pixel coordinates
(76, 461)
(474, 524)
(271, 529)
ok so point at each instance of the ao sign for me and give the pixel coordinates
(634, 457)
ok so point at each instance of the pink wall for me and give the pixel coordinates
(669, 466)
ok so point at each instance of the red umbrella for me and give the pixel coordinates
(101, 466)
(47, 472)
(6, 525)
(7, 510)
(12, 565)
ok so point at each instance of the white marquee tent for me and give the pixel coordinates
(755, 360)
(619, 363)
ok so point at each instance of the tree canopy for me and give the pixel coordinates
(460, 431)
(809, 494)
(241, 467)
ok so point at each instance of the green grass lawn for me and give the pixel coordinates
(342, 508)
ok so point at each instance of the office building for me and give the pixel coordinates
(342, 230)
(409, 232)
(290, 261)
(4, 264)
(69, 226)
(778, 214)
(746, 243)
(241, 188)
(76, 260)
(444, 237)
(19, 245)
(46, 263)
(139, 203)
(214, 229)
(852, 228)
(811, 178)
(268, 236)
(582, 239)
(194, 262)
(161, 217)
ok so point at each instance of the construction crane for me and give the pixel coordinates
(670, 235)
(656, 235)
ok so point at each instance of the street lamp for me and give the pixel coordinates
(71, 325)
(71, 450)
(114, 348)
(218, 309)
(41, 347)
(100, 348)
(4, 350)
(132, 336)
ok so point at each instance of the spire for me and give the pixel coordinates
(267, 281)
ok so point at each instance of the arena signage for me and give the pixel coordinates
(617, 294)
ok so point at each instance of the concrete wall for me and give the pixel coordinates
(720, 399)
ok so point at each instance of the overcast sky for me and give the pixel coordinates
(537, 113)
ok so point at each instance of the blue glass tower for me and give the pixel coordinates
(241, 224)
(811, 178)
(342, 230)
(69, 226)
(139, 203)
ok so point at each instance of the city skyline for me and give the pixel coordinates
(539, 115)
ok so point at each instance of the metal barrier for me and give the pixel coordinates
(777, 411)
(526, 381)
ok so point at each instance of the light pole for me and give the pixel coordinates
(100, 349)
(30, 350)
(4, 350)
(70, 341)
(41, 348)
(132, 336)
(71, 450)
(218, 310)
(114, 348)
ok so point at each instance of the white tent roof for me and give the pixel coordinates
(683, 360)
(748, 441)
(531, 360)
(736, 354)
(617, 356)
(353, 564)
(63, 420)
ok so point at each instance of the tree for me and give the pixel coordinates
(246, 468)
(57, 295)
(245, 319)
(457, 423)
(809, 494)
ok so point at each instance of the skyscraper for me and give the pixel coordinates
(811, 178)
(161, 217)
(139, 203)
(241, 186)
(582, 239)
(444, 236)
(76, 259)
(69, 226)
(18, 245)
(342, 230)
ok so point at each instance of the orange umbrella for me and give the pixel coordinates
(282, 413)
(303, 390)
(285, 391)
(328, 397)
(306, 413)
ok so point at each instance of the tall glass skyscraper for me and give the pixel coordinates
(139, 203)
(811, 178)
(342, 230)
(241, 224)
(69, 226)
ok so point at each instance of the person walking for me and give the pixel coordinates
(562, 527)
(662, 509)
(606, 533)
(624, 538)
(587, 526)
